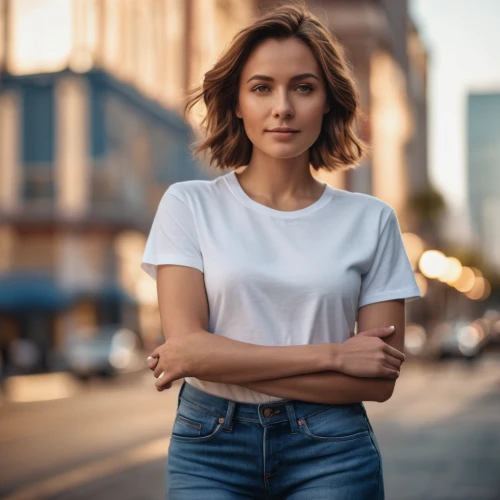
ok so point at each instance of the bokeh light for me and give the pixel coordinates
(432, 263)
(466, 280)
(452, 271)
(480, 290)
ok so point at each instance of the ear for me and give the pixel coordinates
(238, 112)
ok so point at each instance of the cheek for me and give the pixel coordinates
(254, 121)
(253, 114)
(313, 120)
(312, 113)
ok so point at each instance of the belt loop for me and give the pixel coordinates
(228, 421)
(292, 418)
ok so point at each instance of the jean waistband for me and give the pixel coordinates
(265, 413)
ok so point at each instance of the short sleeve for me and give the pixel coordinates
(173, 238)
(390, 275)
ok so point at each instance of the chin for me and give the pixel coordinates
(284, 152)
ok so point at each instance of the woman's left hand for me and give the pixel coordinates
(173, 360)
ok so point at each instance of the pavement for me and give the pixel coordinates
(457, 458)
(439, 435)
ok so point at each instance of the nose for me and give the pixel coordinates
(282, 105)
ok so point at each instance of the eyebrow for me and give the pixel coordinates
(293, 79)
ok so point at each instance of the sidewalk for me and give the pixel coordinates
(439, 435)
(456, 458)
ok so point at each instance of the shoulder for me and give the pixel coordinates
(364, 207)
(195, 193)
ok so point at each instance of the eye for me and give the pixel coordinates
(256, 89)
(307, 88)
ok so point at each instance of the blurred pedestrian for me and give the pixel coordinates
(262, 275)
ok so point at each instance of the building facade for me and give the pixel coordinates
(91, 135)
(483, 173)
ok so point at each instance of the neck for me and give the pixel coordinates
(277, 180)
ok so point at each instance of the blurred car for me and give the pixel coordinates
(415, 340)
(492, 320)
(104, 352)
(459, 339)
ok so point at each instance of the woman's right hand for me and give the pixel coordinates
(367, 355)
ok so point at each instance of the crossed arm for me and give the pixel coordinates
(316, 373)
(334, 387)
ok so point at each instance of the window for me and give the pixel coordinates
(38, 131)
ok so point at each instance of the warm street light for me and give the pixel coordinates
(452, 271)
(477, 272)
(481, 289)
(432, 263)
(466, 280)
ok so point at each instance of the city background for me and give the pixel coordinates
(92, 134)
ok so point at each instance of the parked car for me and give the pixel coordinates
(459, 339)
(104, 352)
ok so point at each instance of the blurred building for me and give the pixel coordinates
(483, 172)
(91, 135)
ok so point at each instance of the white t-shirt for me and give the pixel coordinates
(280, 278)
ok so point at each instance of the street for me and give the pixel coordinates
(439, 435)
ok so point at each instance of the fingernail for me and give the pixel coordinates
(161, 374)
(149, 357)
(391, 328)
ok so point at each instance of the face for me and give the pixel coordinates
(282, 86)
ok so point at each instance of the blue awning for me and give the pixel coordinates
(31, 292)
(108, 293)
(116, 293)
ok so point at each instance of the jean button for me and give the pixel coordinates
(267, 412)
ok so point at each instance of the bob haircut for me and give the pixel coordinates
(226, 143)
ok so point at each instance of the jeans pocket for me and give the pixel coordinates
(337, 423)
(193, 423)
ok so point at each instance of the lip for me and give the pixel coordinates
(282, 134)
(282, 130)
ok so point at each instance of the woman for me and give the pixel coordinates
(262, 275)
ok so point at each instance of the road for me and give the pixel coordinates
(439, 435)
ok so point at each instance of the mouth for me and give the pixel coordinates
(283, 130)
(283, 133)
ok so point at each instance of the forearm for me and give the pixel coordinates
(326, 387)
(233, 362)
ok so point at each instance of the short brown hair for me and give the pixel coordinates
(337, 147)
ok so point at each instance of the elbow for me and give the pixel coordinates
(385, 391)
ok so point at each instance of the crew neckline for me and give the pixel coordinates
(235, 187)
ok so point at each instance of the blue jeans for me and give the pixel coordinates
(289, 450)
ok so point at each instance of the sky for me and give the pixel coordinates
(462, 38)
